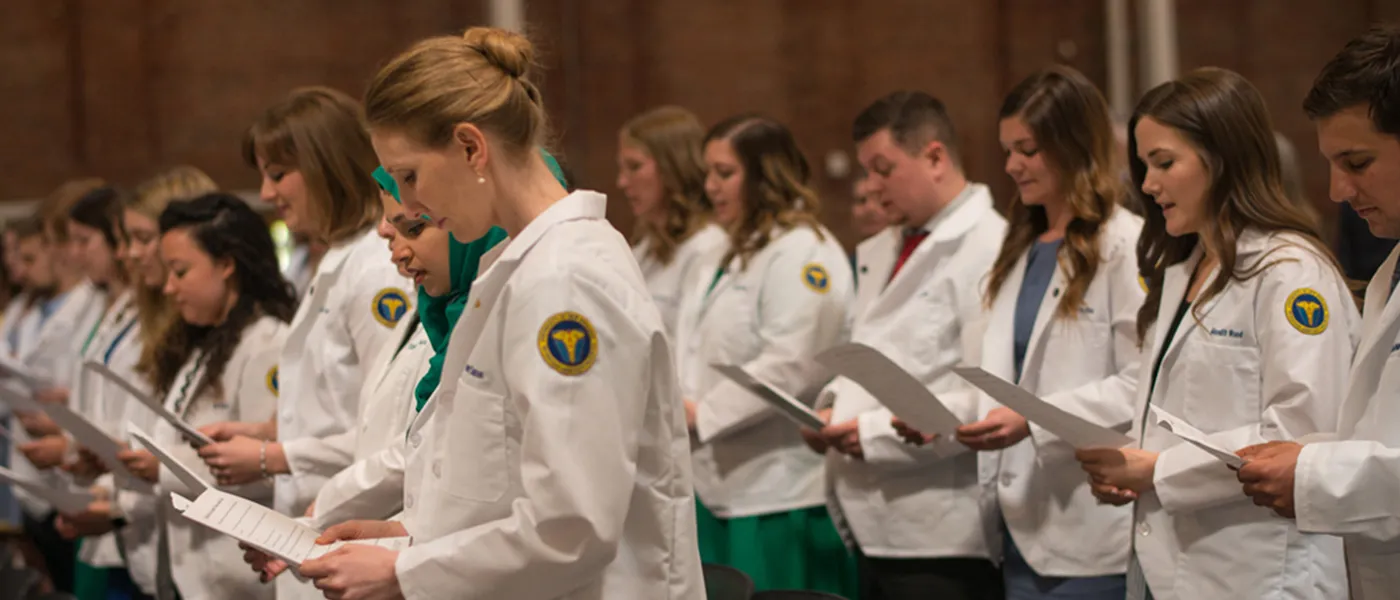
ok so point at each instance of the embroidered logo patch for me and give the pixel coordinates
(272, 384)
(389, 305)
(568, 343)
(1306, 311)
(1142, 283)
(814, 275)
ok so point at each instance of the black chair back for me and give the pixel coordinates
(726, 583)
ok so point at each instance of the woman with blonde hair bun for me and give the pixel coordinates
(555, 462)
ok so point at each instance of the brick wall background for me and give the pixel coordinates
(118, 88)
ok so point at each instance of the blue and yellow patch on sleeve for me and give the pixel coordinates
(568, 343)
(390, 305)
(1142, 283)
(272, 384)
(816, 278)
(1306, 310)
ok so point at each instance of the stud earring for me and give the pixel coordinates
(480, 179)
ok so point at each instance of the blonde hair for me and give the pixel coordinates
(156, 314)
(321, 133)
(671, 136)
(53, 215)
(480, 77)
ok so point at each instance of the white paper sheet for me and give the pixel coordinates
(90, 436)
(894, 387)
(183, 473)
(790, 407)
(1071, 428)
(195, 438)
(263, 528)
(1189, 434)
(64, 500)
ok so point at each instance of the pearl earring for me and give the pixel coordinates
(480, 179)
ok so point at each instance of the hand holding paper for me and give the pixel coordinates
(1071, 428)
(894, 387)
(65, 500)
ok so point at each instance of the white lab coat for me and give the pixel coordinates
(1088, 366)
(387, 404)
(90, 395)
(1243, 375)
(332, 342)
(769, 319)
(206, 564)
(670, 283)
(51, 349)
(1349, 487)
(578, 486)
(903, 501)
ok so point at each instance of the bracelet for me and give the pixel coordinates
(262, 459)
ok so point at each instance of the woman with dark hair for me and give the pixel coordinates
(779, 295)
(1247, 334)
(662, 173)
(234, 308)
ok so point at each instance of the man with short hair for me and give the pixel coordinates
(913, 513)
(1350, 487)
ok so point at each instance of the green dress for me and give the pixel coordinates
(791, 550)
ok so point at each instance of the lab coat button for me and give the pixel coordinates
(437, 469)
(408, 502)
(1006, 479)
(416, 439)
(1144, 530)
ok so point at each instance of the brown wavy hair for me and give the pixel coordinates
(1071, 124)
(672, 135)
(776, 192)
(321, 133)
(1224, 119)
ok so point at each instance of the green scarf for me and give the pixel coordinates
(438, 314)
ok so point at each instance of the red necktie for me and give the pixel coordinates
(912, 237)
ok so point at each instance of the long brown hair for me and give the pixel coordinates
(321, 133)
(1071, 124)
(776, 194)
(157, 315)
(1224, 119)
(671, 136)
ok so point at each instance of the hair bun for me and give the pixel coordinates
(507, 50)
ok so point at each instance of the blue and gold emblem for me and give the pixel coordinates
(1306, 311)
(390, 305)
(815, 276)
(272, 384)
(568, 343)
(1142, 283)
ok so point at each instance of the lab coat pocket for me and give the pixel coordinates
(929, 332)
(1223, 386)
(474, 466)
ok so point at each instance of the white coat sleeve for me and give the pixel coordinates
(371, 488)
(579, 443)
(1109, 401)
(375, 287)
(794, 322)
(1348, 488)
(1301, 377)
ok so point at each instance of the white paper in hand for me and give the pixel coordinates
(1189, 434)
(183, 473)
(265, 529)
(790, 407)
(196, 439)
(92, 437)
(66, 501)
(1069, 427)
(894, 387)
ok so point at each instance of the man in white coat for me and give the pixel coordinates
(1349, 487)
(913, 512)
